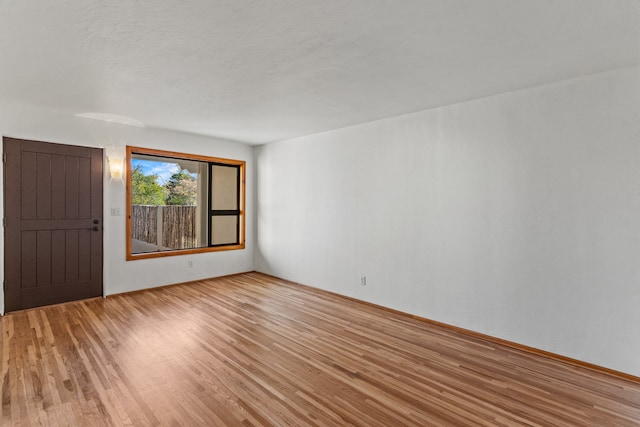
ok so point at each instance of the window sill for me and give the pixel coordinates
(160, 254)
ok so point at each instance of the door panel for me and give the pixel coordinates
(28, 259)
(43, 257)
(53, 233)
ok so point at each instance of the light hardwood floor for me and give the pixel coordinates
(252, 350)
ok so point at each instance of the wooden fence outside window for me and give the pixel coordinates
(170, 227)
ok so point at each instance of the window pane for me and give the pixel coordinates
(224, 187)
(168, 198)
(224, 230)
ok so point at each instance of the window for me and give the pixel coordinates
(182, 203)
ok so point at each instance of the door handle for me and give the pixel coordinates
(95, 228)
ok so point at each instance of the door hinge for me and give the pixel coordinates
(4, 286)
(4, 157)
(4, 221)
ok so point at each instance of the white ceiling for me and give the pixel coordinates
(264, 70)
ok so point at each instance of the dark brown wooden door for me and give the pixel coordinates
(53, 230)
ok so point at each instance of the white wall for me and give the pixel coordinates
(120, 275)
(516, 216)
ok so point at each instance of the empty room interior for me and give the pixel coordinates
(291, 213)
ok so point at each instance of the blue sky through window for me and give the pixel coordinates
(164, 170)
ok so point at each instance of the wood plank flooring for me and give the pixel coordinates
(251, 350)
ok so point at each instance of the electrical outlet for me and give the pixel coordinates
(190, 263)
(115, 211)
(363, 280)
